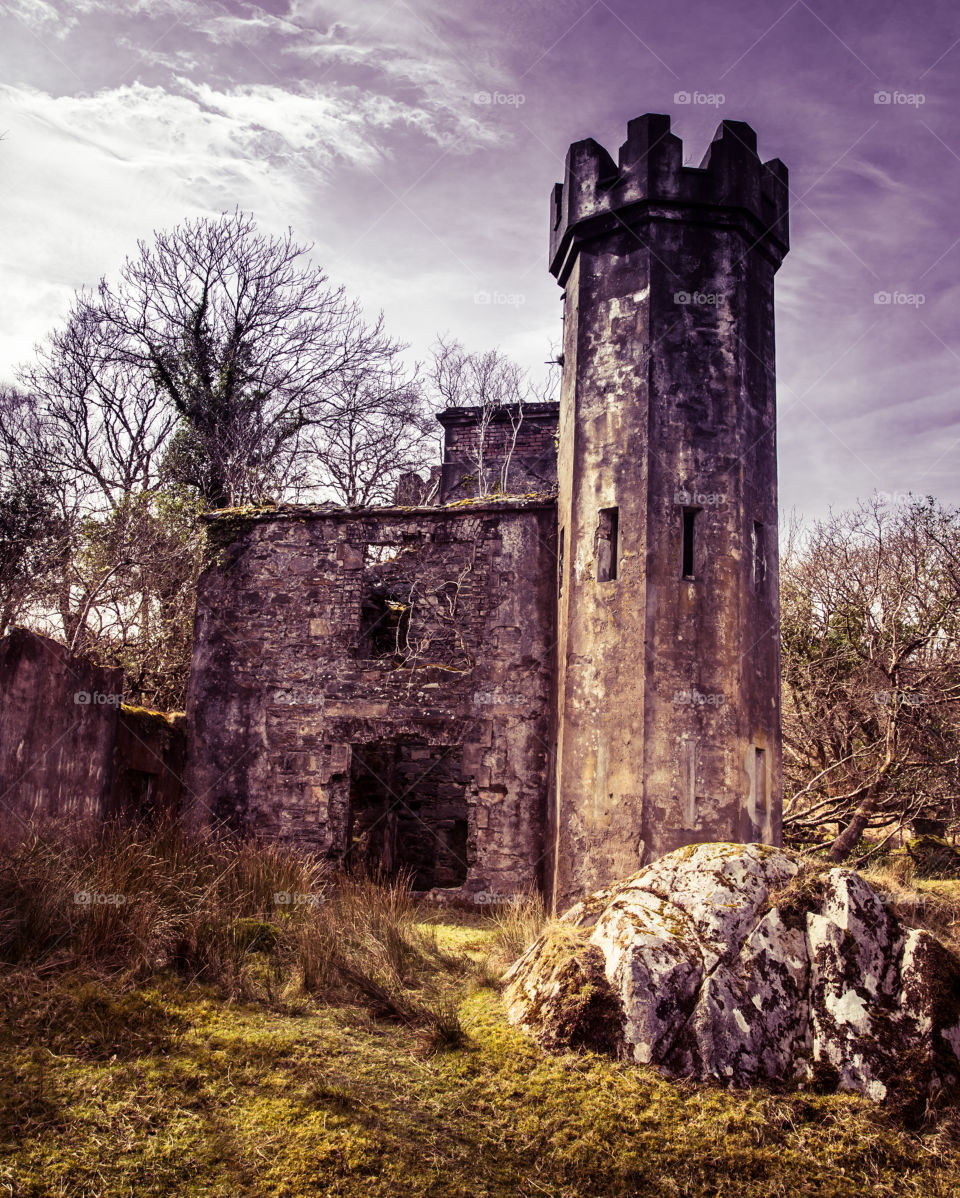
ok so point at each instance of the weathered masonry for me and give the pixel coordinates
(668, 683)
(70, 750)
(377, 684)
(557, 683)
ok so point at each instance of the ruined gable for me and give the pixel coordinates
(375, 684)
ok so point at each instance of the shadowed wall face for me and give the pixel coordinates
(668, 688)
(511, 449)
(58, 720)
(70, 750)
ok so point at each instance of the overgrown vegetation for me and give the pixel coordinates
(257, 921)
(206, 1039)
(870, 622)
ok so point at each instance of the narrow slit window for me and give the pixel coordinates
(759, 557)
(760, 786)
(560, 563)
(689, 782)
(689, 522)
(608, 535)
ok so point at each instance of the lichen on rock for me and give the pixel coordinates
(735, 963)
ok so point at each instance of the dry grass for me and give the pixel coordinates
(920, 903)
(516, 924)
(213, 1042)
(258, 921)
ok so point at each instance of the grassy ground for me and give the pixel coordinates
(145, 1081)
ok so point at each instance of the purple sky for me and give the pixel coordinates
(416, 143)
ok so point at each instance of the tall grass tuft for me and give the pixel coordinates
(252, 918)
(365, 944)
(516, 924)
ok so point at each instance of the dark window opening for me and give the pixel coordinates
(760, 786)
(759, 557)
(557, 204)
(687, 555)
(408, 813)
(560, 563)
(139, 794)
(384, 604)
(608, 535)
(384, 621)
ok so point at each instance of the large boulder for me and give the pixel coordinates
(732, 962)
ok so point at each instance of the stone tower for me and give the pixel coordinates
(668, 701)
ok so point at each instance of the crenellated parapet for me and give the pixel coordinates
(731, 188)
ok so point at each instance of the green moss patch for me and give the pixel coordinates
(250, 1101)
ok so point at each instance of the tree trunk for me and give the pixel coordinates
(849, 837)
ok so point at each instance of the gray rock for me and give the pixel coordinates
(729, 962)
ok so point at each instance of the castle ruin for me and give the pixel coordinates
(558, 683)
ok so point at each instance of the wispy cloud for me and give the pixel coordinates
(363, 128)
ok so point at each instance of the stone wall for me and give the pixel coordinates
(70, 751)
(58, 721)
(148, 764)
(524, 440)
(376, 685)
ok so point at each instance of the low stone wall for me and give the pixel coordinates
(58, 728)
(69, 751)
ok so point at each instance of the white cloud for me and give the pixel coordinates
(86, 176)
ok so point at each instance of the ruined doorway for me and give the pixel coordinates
(408, 813)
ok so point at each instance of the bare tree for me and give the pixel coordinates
(245, 338)
(375, 428)
(37, 516)
(222, 368)
(870, 607)
(104, 423)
